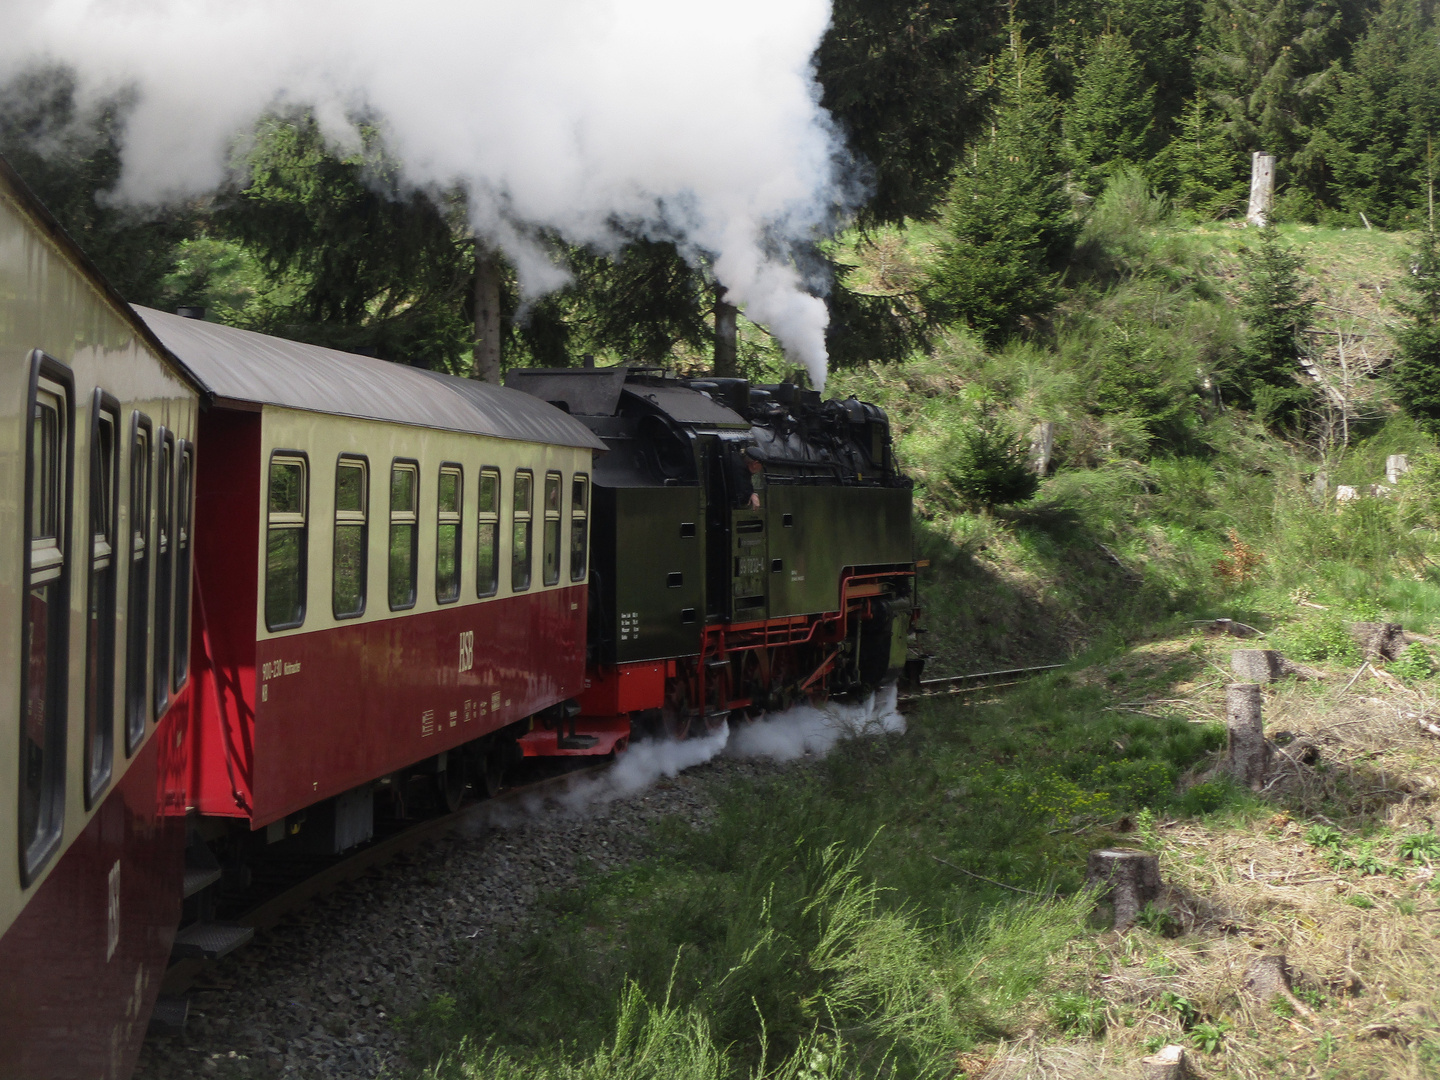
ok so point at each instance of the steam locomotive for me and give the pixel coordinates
(261, 591)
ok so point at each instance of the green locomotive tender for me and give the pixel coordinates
(749, 545)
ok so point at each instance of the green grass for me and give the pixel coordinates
(829, 914)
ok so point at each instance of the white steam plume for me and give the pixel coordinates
(683, 120)
(798, 731)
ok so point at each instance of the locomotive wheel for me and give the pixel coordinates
(450, 784)
(675, 714)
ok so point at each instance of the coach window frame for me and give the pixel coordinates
(288, 521)
(407, 519)
(487, 521)
(350, 519)
(165, 459)
(101, 593)
(522, 534)
(139, 481)
(449, 519)
(579, 525)
(47, 562)
(184, 565)
(550, 540)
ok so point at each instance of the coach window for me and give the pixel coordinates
(550, 567)
(100, 606)
(44, 638)
(520, 538)
(184, 500)
(447, 534)
(579, 512)
(164, 566)
(404, 527)
(487, 532)
(352, 507)
(285, 542)
(137, 598)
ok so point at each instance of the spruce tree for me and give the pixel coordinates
(1416, 378)
(1384, 112)
(1108, 121)
(1277, 309)
(1007, 220)
(1201, 167)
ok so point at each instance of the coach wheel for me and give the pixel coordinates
(492, 770)
(450, 783)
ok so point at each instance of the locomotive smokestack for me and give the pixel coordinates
(724, 336)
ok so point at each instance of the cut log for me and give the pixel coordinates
(1396, 466)
(1167, 1063)
(1247, 754)
(1128, 879)
(1379, 641)
(1256, 665)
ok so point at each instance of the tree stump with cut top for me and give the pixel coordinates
(1378, 640)
(1268, 976)
(1247, 754)
(1128, 879)
(1167, 1063)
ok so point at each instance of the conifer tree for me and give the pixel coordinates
(1200, 166)
(1007, 220)
(1384, 111)
(1416, 377)
(1265, 64)
(1108, 121)
(1278, 310)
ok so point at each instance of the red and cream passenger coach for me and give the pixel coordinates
(391, 563)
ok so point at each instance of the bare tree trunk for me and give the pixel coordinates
(725, 334)
(1262, 188)
(1042, 446)
(487, 315)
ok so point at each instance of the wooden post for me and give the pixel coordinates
(1042, 445)
(1167, 1063)
(1128, 879)
(725, 336)
(1247, 755)
(487, 315)
(1262, 188)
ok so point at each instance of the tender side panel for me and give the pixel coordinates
(655, 604)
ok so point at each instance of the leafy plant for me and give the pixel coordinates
(1158, 920)
(1182, 1007)
(1321, 637)
(1419, 847)
(1414, 663)
(1324, 836)
(1210, 1035)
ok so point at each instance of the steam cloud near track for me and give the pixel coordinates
(800, 730)
(680, 120)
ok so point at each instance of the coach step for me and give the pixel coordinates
(209, 941)
(167, 1019)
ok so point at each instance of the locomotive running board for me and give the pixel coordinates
(209, 941)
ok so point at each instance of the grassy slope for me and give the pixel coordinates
(831, 924)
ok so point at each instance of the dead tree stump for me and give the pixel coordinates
(1257, 665)
(1247, 755)
(1128, 879)
(1167, 1063)
(1268, 976)
(1262, 189)
(1379, 641)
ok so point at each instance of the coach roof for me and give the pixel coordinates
(241, 366)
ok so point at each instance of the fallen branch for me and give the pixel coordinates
(1355, 676)
(989, 881)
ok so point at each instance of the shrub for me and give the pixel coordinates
(1414, 663)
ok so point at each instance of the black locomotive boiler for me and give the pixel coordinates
(750, 545)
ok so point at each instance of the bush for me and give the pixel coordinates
(1322, 637)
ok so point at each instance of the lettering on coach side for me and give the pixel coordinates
(467, 649)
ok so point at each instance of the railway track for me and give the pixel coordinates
(271, 905)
